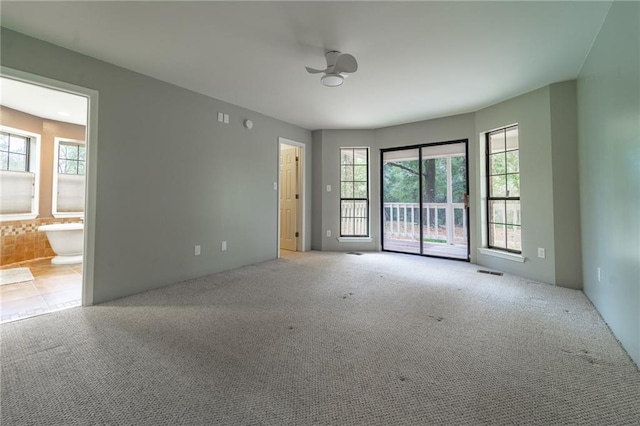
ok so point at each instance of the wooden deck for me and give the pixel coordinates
(430, 249)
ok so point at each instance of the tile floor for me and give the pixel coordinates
(54, 287)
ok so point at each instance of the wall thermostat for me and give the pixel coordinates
(248, 124)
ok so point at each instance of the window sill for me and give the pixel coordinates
(10, 217)
(354, 239)
(65, 215)
(502, 255)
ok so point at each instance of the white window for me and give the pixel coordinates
(19, 169)
(69, 178)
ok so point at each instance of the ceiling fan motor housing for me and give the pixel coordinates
(332, 80)
(332, 57)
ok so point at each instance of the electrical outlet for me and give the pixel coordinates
(541, 253)
(197, 250)
(599, 277)
(328, 232)
(223, 246)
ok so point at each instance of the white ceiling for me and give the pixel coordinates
(417, 60)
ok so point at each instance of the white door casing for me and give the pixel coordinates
(91, 139)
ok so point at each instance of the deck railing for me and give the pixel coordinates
(355, 218)
(402, 220)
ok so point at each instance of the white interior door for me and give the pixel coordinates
(288, 196)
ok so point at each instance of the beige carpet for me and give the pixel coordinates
(324, 338)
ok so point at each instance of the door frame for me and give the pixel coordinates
(91, 133)
(301, 207)
(419, 147)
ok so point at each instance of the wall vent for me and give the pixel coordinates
(485, 271)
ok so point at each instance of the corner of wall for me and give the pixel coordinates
(316, 201)
(566, 187)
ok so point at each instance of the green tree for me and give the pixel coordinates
(401, 185)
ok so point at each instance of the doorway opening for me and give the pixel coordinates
(47, 206)
(425, 200)
(291, 197)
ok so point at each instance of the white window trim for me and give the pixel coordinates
(354, 239)
(514, 257)
(34, 167)
(54, 194)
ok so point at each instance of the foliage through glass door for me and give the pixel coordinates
(424, 200)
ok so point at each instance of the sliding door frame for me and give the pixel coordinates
(419, 147)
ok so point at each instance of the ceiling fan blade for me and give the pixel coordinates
(345, 63)
(314, 71)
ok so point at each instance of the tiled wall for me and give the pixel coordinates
(21, 240)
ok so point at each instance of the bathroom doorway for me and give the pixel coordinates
(47, 206)
(291, 201)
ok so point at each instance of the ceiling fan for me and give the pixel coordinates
(339, 65)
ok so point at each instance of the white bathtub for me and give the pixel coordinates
(67, 241)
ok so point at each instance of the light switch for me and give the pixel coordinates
(328, 188)
(226, 119)
(220, 117)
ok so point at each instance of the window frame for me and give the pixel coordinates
(78, 161)
(56, 173)
(356, 199)
(26, 155)
(506, 198)
(33, 161)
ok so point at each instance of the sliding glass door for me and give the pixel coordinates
(424, 200)
(401, 200)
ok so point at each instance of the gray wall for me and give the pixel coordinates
(549, 179)
(327, 144)
(532, 114)
(316, 202)
(547, 125)
(609, 147)
(169, 176)
(566, 194)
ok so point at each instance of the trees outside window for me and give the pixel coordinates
(354, 192)
(503, 189)
(18, 174)
(71, 158)
(14, 152)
